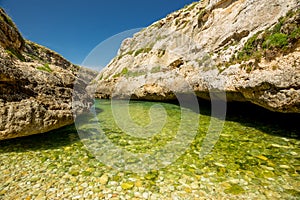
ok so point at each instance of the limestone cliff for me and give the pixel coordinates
(248, 48)
(36, 85)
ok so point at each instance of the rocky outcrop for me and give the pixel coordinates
(36, 86)
(10, 38)
(249, 49)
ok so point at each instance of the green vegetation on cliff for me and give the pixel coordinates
(282, 38)
(15, 54)
(11, 39)
(45, 68)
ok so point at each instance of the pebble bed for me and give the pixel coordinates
(248, 162)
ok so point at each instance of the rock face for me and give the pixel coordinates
(36, 86)
(248, 48)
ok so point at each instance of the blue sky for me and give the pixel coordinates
(73, 28)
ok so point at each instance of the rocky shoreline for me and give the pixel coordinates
(254, 61)
(36, 86)
(255, 156)
(250, 161)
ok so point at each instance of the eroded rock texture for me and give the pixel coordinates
(249, 49)
(36, 86)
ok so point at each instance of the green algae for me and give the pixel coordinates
(235, 189)
(247, 159)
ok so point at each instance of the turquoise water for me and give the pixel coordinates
(252, 158)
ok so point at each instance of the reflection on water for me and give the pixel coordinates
(250, 160)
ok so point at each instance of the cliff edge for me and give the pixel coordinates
(249, 49)
(36, 85)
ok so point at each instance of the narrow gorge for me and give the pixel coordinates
(202, 104)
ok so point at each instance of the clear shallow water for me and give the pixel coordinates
(250, 160)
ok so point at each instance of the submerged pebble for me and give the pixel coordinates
(245, 163)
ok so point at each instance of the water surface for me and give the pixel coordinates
(250, 160)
